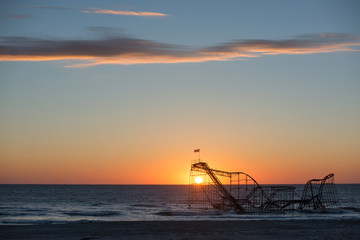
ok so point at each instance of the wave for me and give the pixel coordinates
(186, 213)
(145, 205)
(93, 214)
(354, 209)
(97, 204)
(15, 214)
(164, 213)
(39, 222)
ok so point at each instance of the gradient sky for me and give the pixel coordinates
(121, 92)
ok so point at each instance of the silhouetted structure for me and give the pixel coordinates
(319, 194)
(240, 192)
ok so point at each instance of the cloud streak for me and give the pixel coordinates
(127, 13)
(106, 11)
(126, 51)
(19, 16)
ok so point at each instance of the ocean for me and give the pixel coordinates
(51, 204)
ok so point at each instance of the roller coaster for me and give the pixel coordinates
(211, 188)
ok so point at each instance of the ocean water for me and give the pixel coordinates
(47, 204)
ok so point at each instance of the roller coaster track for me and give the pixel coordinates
(205, 167)
(313, 194)
(250, 196)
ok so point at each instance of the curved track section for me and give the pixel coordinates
(235, 191)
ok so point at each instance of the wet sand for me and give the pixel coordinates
(265, 229)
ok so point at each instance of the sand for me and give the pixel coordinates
(265, 229)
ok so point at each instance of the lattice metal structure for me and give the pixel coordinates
(212, 188)
(320, 194)
(235, 191)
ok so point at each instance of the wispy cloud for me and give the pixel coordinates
(123, 12)
(19, 16)
(104, 11)
(126, 51)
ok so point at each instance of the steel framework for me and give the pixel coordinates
(319, 194)
(240, 192)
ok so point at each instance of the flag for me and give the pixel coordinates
(196, 150)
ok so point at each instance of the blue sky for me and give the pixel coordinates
(73, 92)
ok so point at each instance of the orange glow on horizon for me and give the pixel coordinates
(109, 159)
(159, 173)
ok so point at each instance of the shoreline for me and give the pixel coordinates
(253, 229)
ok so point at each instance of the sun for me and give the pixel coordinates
(198, 180)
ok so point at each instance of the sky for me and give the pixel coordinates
(122, 92)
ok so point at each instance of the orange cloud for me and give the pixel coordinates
(128, 51)
(128, 13)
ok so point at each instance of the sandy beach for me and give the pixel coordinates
(296, 229)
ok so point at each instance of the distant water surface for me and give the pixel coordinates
(40, 204)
